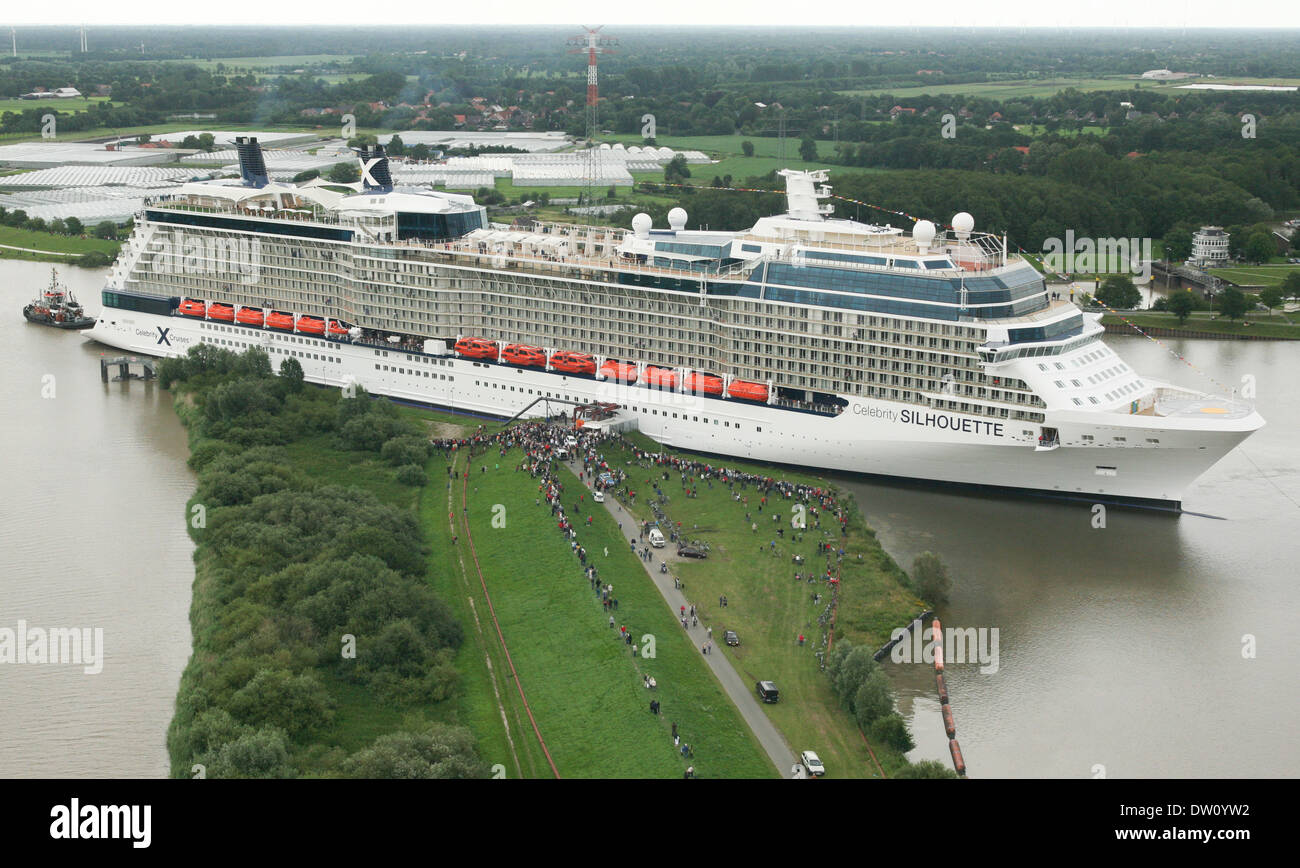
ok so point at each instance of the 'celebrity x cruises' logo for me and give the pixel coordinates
(162, 336)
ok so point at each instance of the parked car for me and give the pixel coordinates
(731, 638)
(812, 763)
(598, 496)
(767, 691)
(656, 537)
(690, 552)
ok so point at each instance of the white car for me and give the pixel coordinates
(812, 763)
(598, 496)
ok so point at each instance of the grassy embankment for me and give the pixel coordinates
(584, 687)
(769, 610)
(58, 248)
(1279, 325)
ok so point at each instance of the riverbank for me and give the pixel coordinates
(319, 649)
(25, 244)
(1167, 325)
(751, 565)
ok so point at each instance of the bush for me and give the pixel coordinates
(413, 475)
(93, 259)
(892, 730)
(931, 577)
(926, 770)
(405, 449)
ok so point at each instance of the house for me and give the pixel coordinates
(898, 110)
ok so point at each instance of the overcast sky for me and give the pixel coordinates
(1000, 13)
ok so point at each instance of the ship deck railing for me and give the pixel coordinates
(565, 263)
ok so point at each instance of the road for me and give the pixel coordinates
(741, 693)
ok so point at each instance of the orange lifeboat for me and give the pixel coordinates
(703, 384)
(310, 325)
(337, 329)
(624, 371)
(250, 316)
(277, 320)
(747, 391)
(659, 378)
(476, 348)
(569, 362)
(223, 312)
(522, 354)
(190, 307)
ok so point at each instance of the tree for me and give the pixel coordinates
(93, 259)
(291, 373)
(1260, 248)
(106, 230)
(343, 173)
(676, 172)
(190, 143)
(1178, 244)
(442, 751)
(306, 176)
(1181, 304)
(874, 699)
(74, 226)
(1118, 291)
(926, 770)
(396, 148)
(1233, 303)
(931, 578)
(747, 148)
(892, 730)
(1291, 285)
(1271, 297)
(808, 150)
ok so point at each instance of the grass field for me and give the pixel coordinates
(583, 685)
(730, 159)
(1279, 325)
(1257, 275)
(49, 241)
(769, 610)
(1003, 89)
(79, 105)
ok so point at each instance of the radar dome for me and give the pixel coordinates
(963, 223)
(666, 152)
(635, 149)
(677, 219)
(619, 146)
(641, 224)
(604, 146)
(923, 234)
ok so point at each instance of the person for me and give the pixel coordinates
(689, 773)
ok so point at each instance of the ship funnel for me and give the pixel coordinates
(252, 168)
(375, 176)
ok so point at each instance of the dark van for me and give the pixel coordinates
(767, 691)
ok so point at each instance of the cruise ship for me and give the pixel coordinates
(805, 340)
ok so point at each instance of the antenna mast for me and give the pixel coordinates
(593, 44)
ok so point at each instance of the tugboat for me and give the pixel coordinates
(57, 307)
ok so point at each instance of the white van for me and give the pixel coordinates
(598, 496)
(656, 538)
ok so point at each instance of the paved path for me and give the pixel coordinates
(741, 693)
(34, 250)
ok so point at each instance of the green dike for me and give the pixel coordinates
(769, 610)
(583, 685)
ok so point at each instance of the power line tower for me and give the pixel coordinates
(594, 44)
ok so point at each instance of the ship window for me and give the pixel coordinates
(674, 415)
(1120, 439)
(1087, 436)
(759, 429)
(696, 419)
(1077, 402)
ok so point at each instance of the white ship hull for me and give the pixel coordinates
(871, 436)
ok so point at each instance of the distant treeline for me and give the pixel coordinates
(311, 608)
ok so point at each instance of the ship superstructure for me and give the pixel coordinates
(806, 339)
